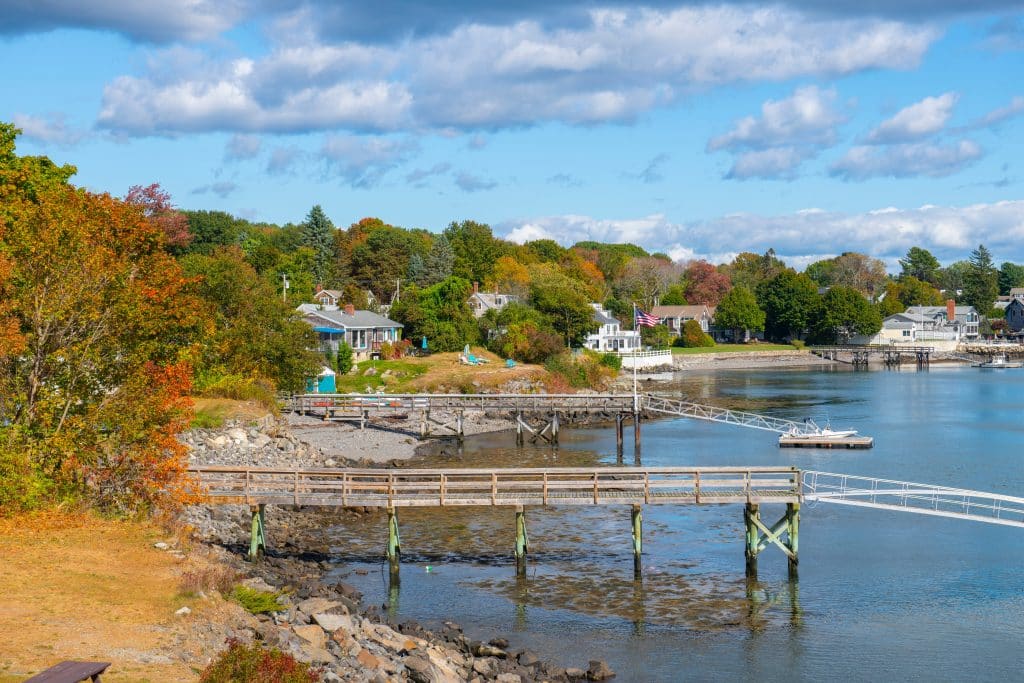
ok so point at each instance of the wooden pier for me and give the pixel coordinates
(518, 489)
(892, 354)
(537, 417)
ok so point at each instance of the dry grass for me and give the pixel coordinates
(78, 587)
(445, 371)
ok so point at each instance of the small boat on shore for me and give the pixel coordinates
(999, 362)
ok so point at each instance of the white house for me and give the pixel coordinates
(674, 317)
(940, 326)
(610, 336)
(481, 302)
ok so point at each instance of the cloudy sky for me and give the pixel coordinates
(696, 128)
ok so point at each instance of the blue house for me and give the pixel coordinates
(365, 331)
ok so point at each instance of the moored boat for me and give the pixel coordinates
(999, 362)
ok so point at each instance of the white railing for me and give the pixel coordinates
(905, 496)
(671, 406)
(645, 359)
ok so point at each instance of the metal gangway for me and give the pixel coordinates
(681, 408)
(906, 496)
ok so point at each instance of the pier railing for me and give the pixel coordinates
(672, 406)
(499, 487)
(609, 403)
(905, 496)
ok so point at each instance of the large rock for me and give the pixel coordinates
(334, 622)
(312, 606)
(599, 671)
(484, 650)
(237, 435)
(311, 634)
(487, 667)
(509, 678)
(389, 639)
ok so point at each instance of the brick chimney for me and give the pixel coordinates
(950, 310)
(319, 288)
(350, 309)
(476, 287)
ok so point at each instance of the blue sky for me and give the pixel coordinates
(695, 128)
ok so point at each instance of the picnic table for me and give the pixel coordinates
(71, 672)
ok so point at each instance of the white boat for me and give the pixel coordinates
(999, 362)
(813, 431)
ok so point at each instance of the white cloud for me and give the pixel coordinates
(612, 66)
(53, 129)
(950, 232)
(242, 147)
(222, 188)
(807, 117)
(162, 21)
(917, 121)
(1000, 114)
(363, 161)
(906, 160)
(777, 163)
(468, 182)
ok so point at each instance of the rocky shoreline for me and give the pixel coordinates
(324, 622)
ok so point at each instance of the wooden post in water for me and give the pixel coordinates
(618, 436)
(458, 424)
(636, 435)
(554, 428)
(793, 530)
(751, 513)
(258, 538)
(638, 539)
(522, 543)
(519, 429)
(394, 549)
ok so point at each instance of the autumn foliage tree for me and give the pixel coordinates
(155, 204)
(95, 384)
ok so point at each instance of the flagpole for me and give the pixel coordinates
(636, 401)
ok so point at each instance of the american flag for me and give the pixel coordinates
(644, 319)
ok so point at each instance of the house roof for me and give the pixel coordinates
(935, 310)
(1003, 305)
(1016, 290)
(359, 320)
(490, 299)
(333, 293)
(680, 311)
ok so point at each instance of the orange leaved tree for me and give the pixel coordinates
(95, 382)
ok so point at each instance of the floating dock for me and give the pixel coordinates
(786, 441)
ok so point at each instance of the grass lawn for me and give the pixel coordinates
(399, 374)
(735, 348)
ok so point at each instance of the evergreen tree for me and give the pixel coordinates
(318, 235)
(1010, 275)
(440, 261)
(920, 263)
(981, 281)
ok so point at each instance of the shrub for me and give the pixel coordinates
(583, 371)
(257, 602)
(204, 579)
(612, 360)
(693, 336)
(240, 388)
(205, 419)
(240, 662)
(344, 359)
(799, 344)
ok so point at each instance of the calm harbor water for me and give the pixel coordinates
(880, 596)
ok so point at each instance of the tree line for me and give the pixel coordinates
(113, 311)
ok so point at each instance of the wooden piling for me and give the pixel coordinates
(793, 530)
(751, 512)
(394, 549)
(618, 435)
(554, 428)
(258, 538)
(638, 539)
(519, 429)
(522, 542)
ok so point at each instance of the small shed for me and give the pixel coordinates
(324, 383)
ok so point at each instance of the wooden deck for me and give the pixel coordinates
(330, 404)
(500, 487)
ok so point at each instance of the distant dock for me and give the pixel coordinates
(803, 441)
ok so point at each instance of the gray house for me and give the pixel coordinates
(1015, 315)
(364, 331)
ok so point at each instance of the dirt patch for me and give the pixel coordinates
(445, 372)
(230, 409)
(80, 587)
